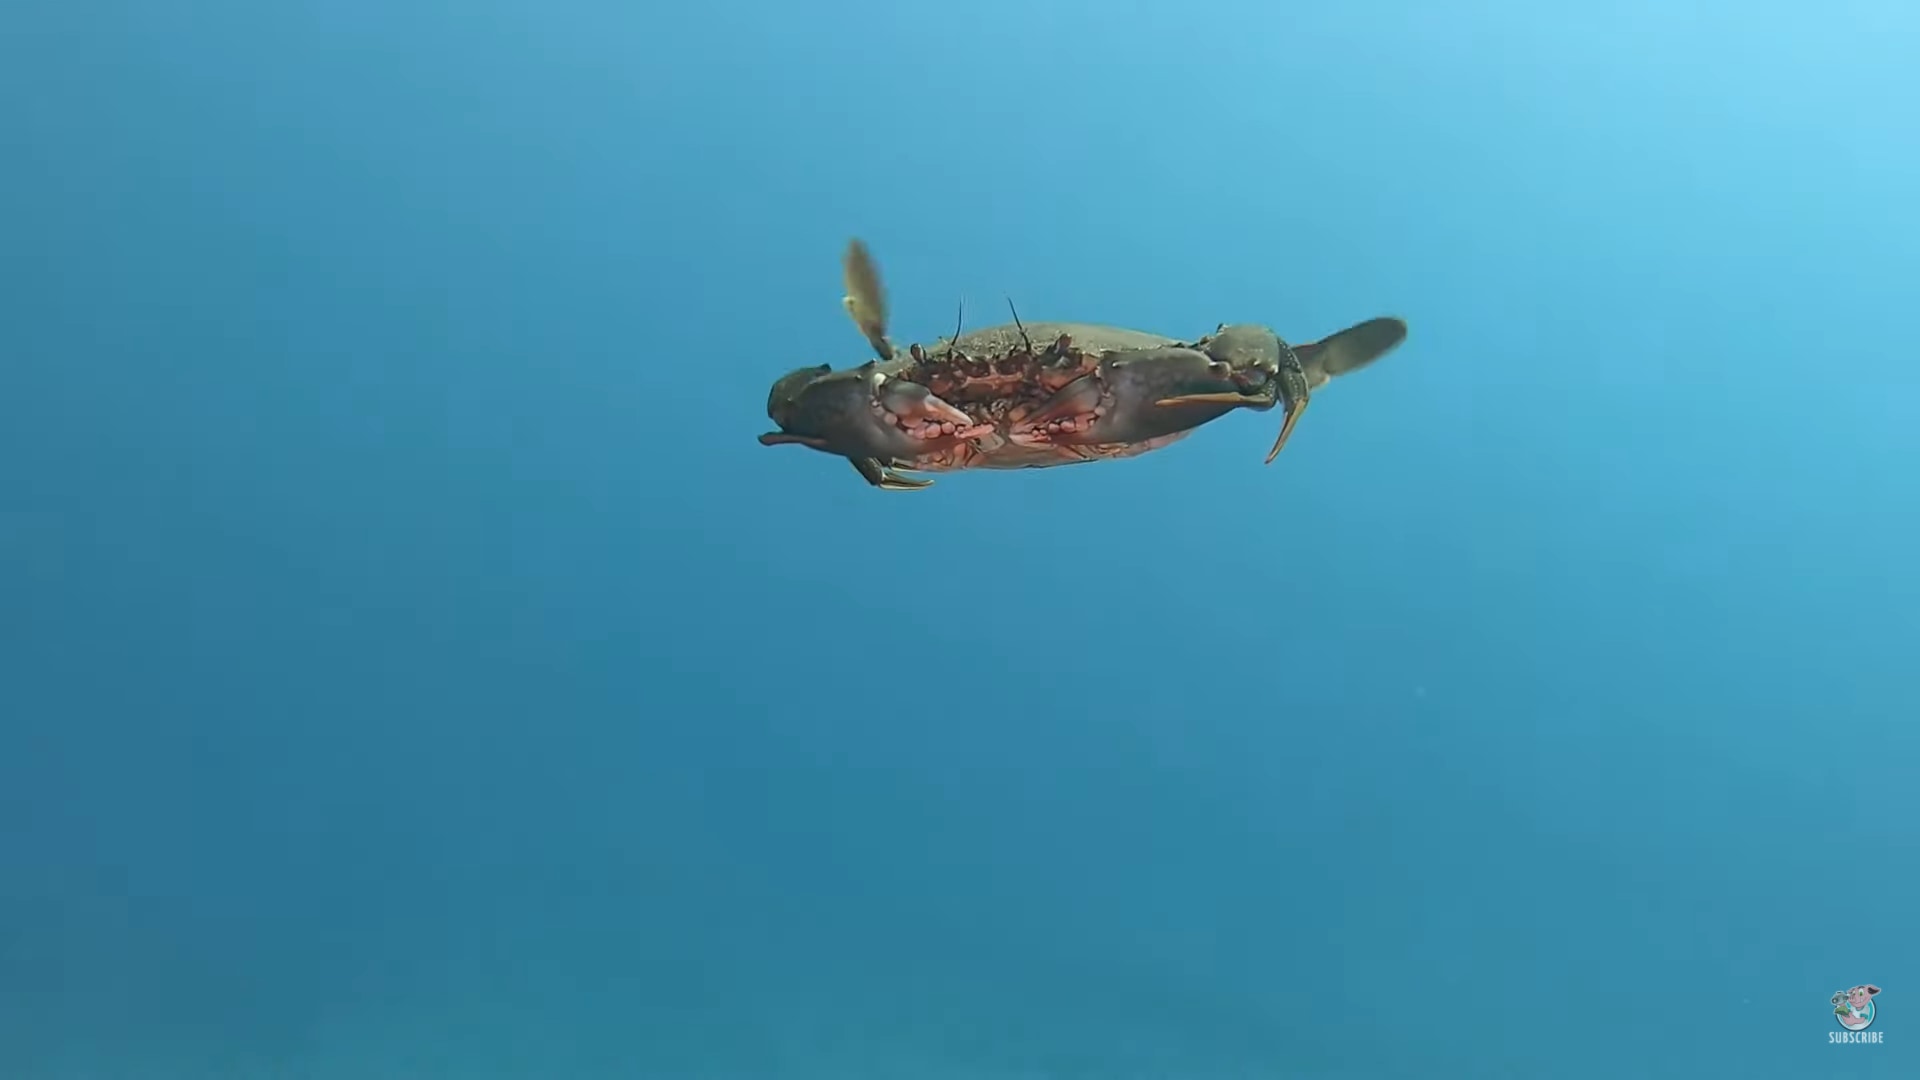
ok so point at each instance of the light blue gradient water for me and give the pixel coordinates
(411, 666)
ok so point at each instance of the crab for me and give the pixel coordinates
(1036, 395)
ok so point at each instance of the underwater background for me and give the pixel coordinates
(412, 667)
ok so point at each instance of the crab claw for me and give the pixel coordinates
(1294, 389)
(1266, 371)
(1135, 395)
(865, 415)
(1308, 367)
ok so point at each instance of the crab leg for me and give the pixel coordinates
(1349, 350)
(885, 477)
(866, 299)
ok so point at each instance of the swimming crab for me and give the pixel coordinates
(1035, 395)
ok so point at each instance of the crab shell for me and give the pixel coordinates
(1012, 397)
(1082, 393)
(1045, 394)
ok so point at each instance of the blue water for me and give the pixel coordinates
(412, 667)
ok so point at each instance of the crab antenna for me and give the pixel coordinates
(953, 343)
(1016, 325)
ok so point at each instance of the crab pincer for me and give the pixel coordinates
(864, 414)
(1266, 371)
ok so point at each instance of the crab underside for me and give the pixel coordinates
(1045, 394)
